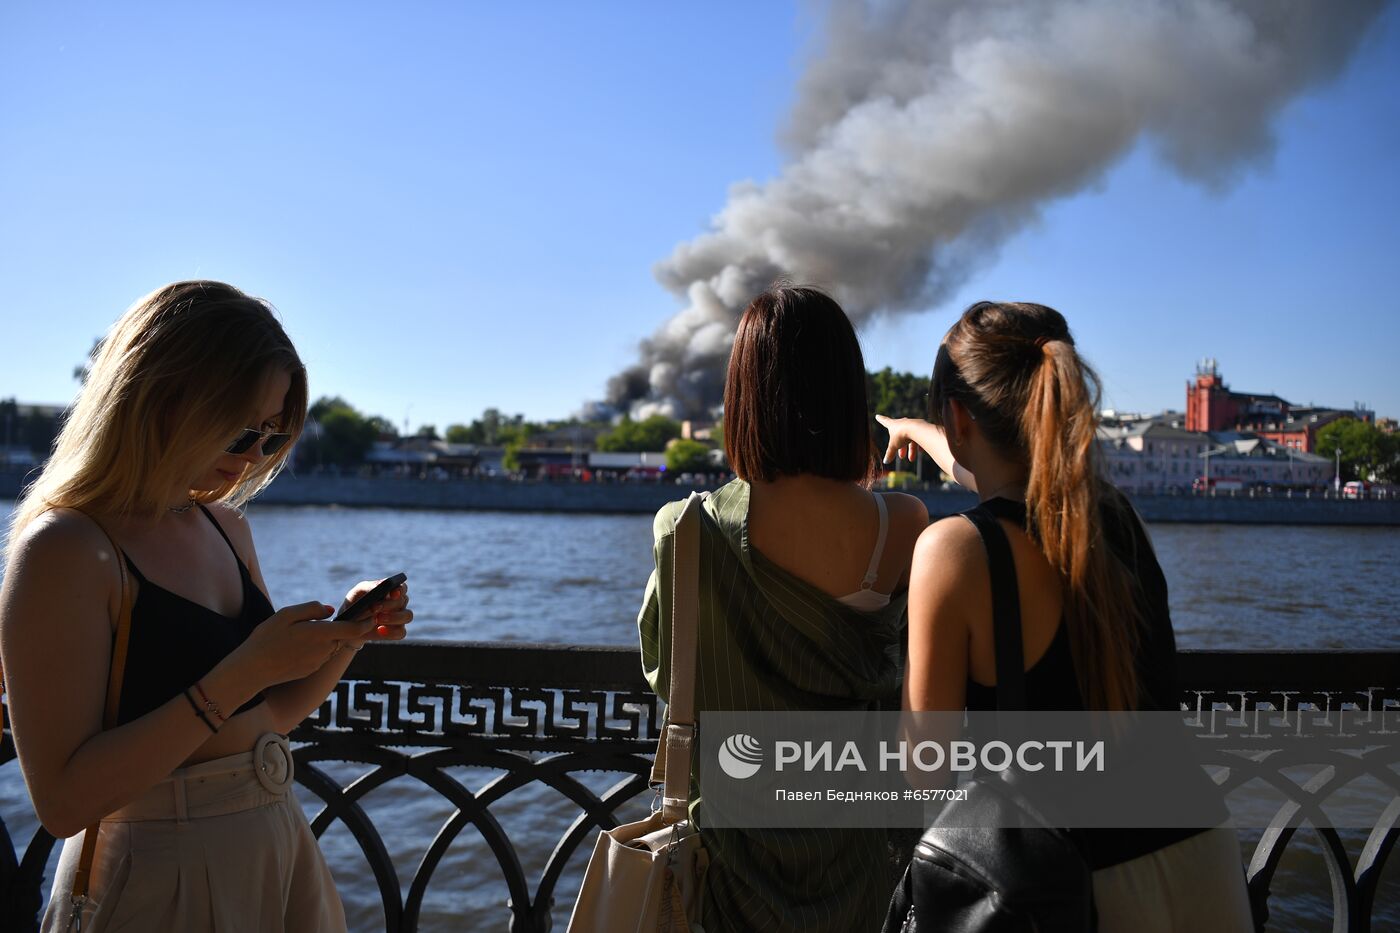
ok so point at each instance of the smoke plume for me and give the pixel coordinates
(926, 134)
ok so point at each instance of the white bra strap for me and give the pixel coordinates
(873, 571)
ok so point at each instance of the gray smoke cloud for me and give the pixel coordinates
(925, 134)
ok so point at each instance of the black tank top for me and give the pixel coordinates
(1051, 683)
(175, 641)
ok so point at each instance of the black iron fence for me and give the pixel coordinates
(558, 716)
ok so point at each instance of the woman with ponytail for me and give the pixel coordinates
(1013, 417)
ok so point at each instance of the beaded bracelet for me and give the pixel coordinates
(209, 704)
(197, 711)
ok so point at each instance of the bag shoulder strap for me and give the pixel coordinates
(110, 710)
(1006, 609)
(671, 767)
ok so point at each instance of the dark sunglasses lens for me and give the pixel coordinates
(244, 441)
(274, 443)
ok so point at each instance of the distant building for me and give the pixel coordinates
(17, 455)
(39, 410)
(627, 465)
(569, 437)
(1211, 405)
(1155, 454)
(1299, 429)
(698, 430)
(1126, 419)
(491, 460)
(1151, 454)
(27, 432)
(1257, 461)
(552, 462)
(425, 454)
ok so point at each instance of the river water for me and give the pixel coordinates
(490, 576)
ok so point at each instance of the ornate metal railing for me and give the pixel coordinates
(554, 716)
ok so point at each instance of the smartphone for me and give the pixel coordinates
(369, 599)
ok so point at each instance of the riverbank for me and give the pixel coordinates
(640, 498)
(646, 498)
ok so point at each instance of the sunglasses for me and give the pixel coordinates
(271, 442)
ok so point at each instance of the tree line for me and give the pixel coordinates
(1368, 452)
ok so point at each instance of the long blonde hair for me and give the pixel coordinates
(171, 383)
(1015, 367)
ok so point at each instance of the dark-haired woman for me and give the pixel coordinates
(1013, 411)
(191, 407)
(803, 581)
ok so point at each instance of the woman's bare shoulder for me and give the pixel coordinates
(906, 509)
(947, 572)
(950, 548)
(61, 534)
(61, 557)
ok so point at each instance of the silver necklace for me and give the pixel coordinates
(182, 508)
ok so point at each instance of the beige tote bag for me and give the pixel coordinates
(645, 877)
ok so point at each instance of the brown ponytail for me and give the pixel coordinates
(1062, 504)
(1015, 366)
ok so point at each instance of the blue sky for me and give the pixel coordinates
(457, 206)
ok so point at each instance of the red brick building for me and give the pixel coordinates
(1211, 405)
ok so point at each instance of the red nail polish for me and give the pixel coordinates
(384, 630)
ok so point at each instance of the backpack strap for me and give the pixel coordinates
(1006, 609)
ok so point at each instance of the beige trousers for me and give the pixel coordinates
(221, 846)
(1194, 886)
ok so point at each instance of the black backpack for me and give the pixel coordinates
(984, 880)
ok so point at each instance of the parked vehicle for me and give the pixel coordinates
(1356, 489)
(1216, 484)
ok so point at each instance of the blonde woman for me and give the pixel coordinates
(190, 408)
